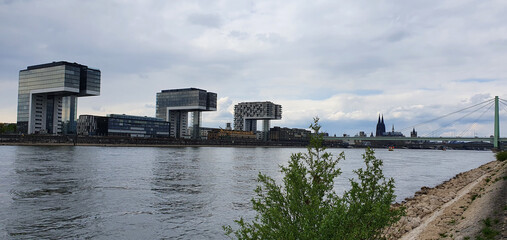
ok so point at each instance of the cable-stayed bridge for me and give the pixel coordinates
(472, 115)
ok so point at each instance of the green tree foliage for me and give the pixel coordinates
(369, 201)
(7, 128)
(306, 207)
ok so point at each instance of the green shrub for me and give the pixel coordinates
(488, 231)
(306, 207)
(501, 156)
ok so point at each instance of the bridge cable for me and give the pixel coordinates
(446, 125)
(446, 115)
(504, 106)
(504, 102)
(476, 120)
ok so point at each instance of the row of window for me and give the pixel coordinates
(47, 84)
(43, 70)
(93, 88)
(25, 88)
(112, 123)
(52, 75)
(32, 78)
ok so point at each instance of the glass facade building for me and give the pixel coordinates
(122, 125)
(47, 96)
(136, 126)
(175, 104)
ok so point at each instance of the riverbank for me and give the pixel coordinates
(463, 207)
(153, 145)
(115, 141)
(122, 141)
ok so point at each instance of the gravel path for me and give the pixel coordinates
(456, 208)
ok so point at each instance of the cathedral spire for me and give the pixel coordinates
(381, 128)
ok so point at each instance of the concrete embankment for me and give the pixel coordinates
(457, 208)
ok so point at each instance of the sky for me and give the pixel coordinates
(346, 62)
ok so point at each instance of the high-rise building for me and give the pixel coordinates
(47, 96)
(246, 115)
(174, 105)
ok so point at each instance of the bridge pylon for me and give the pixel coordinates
(496, 138)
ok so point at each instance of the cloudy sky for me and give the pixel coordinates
(344, 61)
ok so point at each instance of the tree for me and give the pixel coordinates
(369, 201)
(306, 207)
(7, 127)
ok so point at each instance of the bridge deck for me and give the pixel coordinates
(459, 139)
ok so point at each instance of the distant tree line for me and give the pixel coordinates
(7, 128)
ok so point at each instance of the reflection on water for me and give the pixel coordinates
(176, 193)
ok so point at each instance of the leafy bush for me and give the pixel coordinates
(306, 207)
(501, 156)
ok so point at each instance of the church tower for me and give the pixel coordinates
(413, 133)
(381, 127)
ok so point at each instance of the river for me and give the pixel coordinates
(66, 192)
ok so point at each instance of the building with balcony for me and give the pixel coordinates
(47, 96)
(246, 115)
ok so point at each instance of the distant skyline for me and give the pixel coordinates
(344, 61)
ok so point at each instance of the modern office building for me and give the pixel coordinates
(174, 105)
(122, 125)
(91, 125)
(47, 96)
(246, 115)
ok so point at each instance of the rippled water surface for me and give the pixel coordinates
(174, 193)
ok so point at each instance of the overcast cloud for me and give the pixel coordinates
(344, 61)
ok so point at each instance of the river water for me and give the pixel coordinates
(65, 192)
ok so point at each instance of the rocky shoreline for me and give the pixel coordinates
(457, 208)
